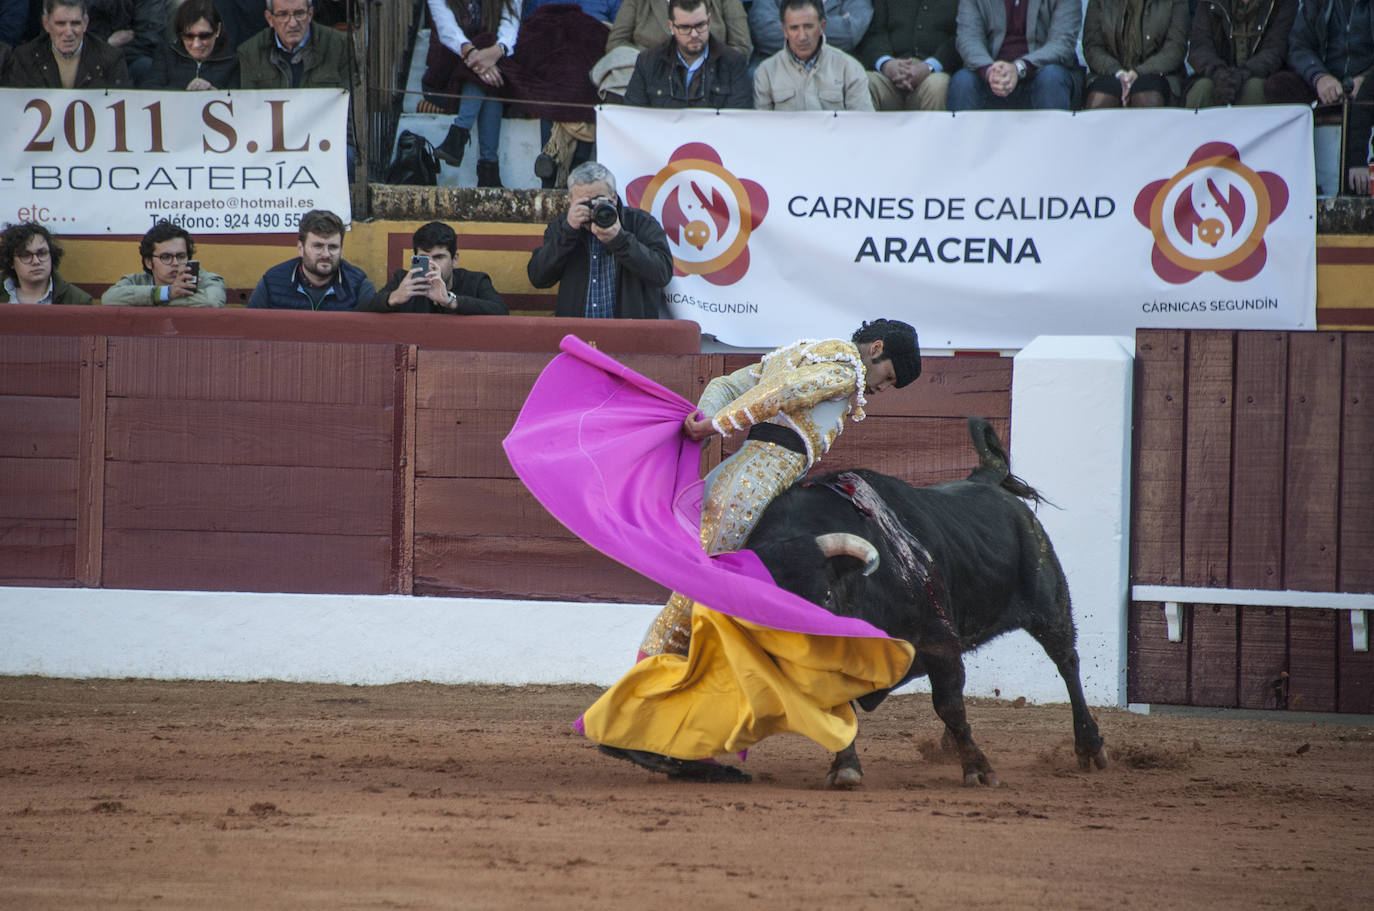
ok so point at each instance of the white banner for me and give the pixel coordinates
(983, 229)
(115, 162)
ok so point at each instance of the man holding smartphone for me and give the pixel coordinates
(434, 284)
(170, 276)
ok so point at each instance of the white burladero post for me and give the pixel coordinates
(1071, 440)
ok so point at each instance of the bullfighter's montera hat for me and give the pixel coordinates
(900, 344)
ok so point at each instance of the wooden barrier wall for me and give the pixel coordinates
(346, 453)
(1254, 469)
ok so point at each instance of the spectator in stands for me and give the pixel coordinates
(293, 53)
(14, 21)
(28, 268)
(1017, 55)
(137, 27)
(1234, 46)
(1331, 52)
(808, 74)
(1135, 51)
(603, 267)
(639, 26)
(560, 42)
(910, 49)
(200, 57)
(167, 279)
(65, 56)
(692, 68)
(242, 19)
(468, 44)
(319, 278)
(845, 24)
(442, 288)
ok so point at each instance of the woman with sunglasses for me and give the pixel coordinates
(200, 58)
(28, 268)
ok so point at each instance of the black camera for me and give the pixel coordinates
(604, 211)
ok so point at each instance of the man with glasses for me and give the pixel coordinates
(28, 268)
(167, 279)
(320, 278)
(65, 56)
(693, 68)
(292, 53)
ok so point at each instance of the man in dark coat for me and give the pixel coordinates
(1331, 52)
(692, 69)
(1234, 46)
(64, 56)
(618, 269)
(135, 27)
(442, 288)
(909, 49)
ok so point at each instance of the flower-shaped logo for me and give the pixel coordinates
(1211, 216)
(707, 212)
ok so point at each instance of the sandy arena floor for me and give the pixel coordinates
(145, 794)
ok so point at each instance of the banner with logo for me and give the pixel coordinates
(983, 229)
(116, 162)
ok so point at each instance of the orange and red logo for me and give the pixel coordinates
(1211, 216)
(707, 212)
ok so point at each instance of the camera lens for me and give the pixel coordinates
(604, 214)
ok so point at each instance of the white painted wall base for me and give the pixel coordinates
(365, 639)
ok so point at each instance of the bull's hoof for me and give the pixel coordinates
(987, 779)
(1098, 759)
(844, 779)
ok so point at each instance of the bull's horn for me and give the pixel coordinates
(842, 542)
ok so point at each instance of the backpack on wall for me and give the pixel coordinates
(414, 163)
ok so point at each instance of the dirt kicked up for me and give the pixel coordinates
(144, 794)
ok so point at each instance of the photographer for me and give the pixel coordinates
(608, 260)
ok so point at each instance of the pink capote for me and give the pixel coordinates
(602, 448)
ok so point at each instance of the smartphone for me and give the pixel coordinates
(193, 270)
(419, 263)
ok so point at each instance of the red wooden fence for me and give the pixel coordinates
(351, 453)
(1254, 469)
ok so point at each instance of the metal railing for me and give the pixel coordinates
(384, 36)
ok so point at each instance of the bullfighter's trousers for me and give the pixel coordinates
(737, 492)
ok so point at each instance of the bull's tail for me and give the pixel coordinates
(994, 466)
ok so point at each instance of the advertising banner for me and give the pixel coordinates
(982, 229)
(116, 162)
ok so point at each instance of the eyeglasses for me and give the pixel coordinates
(172, 259)
(198, 36)
(34, 256)
(298, 15)
(698, 28)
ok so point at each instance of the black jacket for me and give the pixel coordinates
(32, 66)
(722, 82)
(173, 68)
(476, 296)
(640, 250)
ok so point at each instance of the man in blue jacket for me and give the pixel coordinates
(320, 278)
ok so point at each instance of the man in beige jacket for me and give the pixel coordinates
(808, 74)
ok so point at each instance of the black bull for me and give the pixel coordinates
(947, 568)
